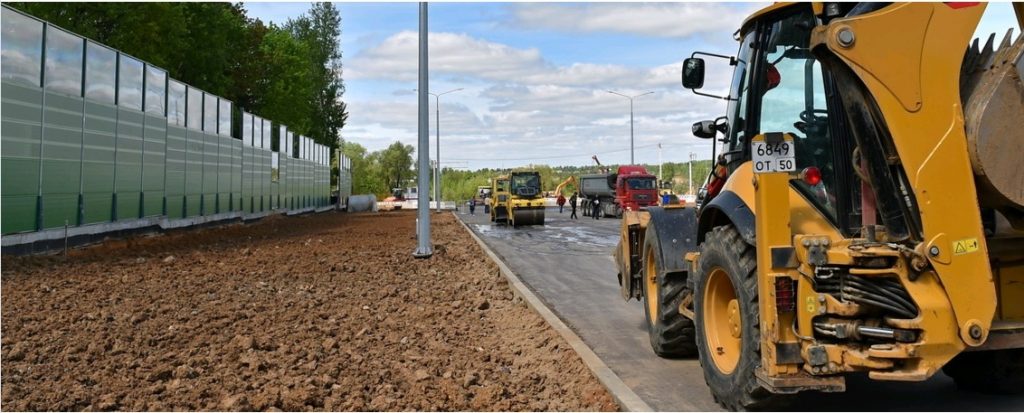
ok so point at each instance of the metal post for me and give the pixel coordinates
(631, 160)
(661, 176)
(424, 249)
(437, 166)
(437, 126)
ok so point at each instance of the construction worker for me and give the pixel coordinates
(561, 203)
(596, 213)
(472, 206)
(572, 202)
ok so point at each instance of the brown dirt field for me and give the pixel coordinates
(326, 312)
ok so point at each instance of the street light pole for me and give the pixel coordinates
(437, 165)
(423, 247)
(661, 176)
(632, 160)
(437, 128)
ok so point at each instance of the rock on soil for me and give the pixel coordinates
(324, 312)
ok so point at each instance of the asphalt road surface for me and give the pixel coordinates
(569, 265)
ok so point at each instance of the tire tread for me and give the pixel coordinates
(740, 390)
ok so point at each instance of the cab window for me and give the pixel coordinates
(640, 183)
(794, 102)
(737, 110)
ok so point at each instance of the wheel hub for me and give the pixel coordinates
(734, 318)
(651, 289)
(722, 321)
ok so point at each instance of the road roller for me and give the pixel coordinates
(526, 201)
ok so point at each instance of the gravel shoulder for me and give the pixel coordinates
(317, 312)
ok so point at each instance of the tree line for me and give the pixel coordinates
(289, 73)
(393, 167)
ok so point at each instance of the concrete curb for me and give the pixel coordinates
(623, 395)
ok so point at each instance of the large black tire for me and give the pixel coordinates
(989, 372)
(671, 333)
(725, 253)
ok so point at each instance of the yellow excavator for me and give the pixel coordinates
(561, 186)
(865, 214)
(499, 199)
(526, 201)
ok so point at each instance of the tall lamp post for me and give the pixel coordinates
(423, 247)
(437, 128)
(632, 161)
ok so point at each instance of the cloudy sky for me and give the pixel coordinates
(535, 76)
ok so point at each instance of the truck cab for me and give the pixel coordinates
(635, 188)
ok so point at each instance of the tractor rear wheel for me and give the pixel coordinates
(728, 324)
(671, 332)
(989, 372)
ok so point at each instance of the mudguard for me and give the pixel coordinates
(675, 230)
(727, 208)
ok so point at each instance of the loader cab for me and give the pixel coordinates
(499, 190)
(525, 184)
(779, 86)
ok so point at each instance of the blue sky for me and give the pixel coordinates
(536, 75)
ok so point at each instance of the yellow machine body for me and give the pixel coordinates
(960, 276)
(526, 201)
(499, 199)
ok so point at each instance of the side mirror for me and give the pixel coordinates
(705, 129)
(693, 73)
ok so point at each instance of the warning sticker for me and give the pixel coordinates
(811, 305)
(965, 246)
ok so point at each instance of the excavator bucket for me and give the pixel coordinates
(993, 96)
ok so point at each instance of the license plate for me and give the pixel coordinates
(773, 157)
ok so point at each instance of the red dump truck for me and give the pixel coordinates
(630, 189)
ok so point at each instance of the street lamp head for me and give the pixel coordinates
(628, 97)
(450, 91)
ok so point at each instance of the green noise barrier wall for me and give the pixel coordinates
(95, 140)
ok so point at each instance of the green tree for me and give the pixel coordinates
(287, 85)
(366, 176)
(396, 164)
(212, 51)
(321, 32)
(291, 75)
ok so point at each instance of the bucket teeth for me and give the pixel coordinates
(992, 94)
(979, 61)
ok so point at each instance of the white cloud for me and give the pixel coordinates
(648, 19)
(457, 55)
(534, 123)
(396, 58)
(518, 105)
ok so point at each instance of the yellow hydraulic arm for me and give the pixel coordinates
(920, 101)
(567, 181)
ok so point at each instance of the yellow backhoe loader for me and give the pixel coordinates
(866, 213)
